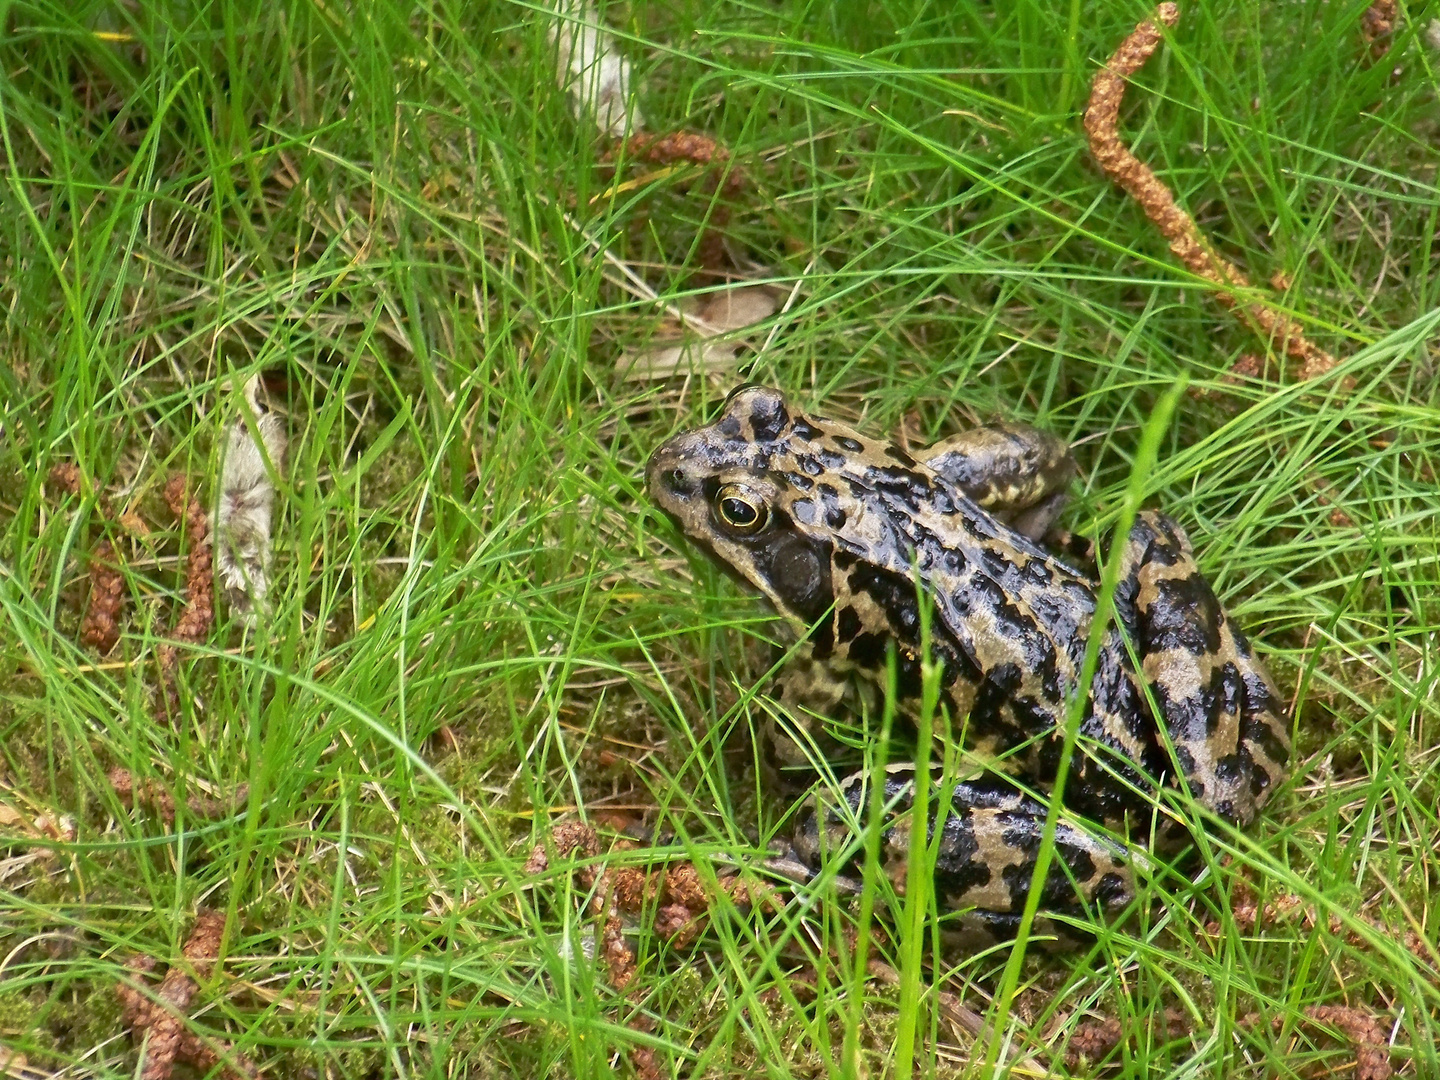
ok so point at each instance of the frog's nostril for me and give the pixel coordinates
(678, 482)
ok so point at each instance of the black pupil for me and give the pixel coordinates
(738, 512)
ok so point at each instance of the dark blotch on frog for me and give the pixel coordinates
(849, 537)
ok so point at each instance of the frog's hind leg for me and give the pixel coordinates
(989, 840)
(1220, 709)
(1018, 473)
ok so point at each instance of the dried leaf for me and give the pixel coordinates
(696, 356)
(738, 307)
(245, 502)
(593, 71)
(716, 314)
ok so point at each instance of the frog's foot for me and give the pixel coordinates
(989, 840)
(1221, 711)
(1018, 473)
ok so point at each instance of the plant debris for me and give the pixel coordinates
(100, 628)
(154, 794)
(678, 897)
(1377, 26)
(198, 615)
(1092, 1040)
(1248, 915)
(705, 340)
(160, 1014)
(1102, 119)
(685, 147)
(244, 503)
(573, 838)
(66, 476)
(100, 625)
(680, 147)
(1372, 1056)
(46, 832)
(594, 73)
(598, 79)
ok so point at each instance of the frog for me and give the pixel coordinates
(872, 555)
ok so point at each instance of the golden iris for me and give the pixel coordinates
(739, 510)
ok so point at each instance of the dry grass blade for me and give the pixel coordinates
(1102, 120)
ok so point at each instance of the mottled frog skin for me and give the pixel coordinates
(838, 530)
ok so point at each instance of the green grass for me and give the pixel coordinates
(481, 625)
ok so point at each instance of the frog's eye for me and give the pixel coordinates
(739, 510)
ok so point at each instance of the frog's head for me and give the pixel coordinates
(730, 487)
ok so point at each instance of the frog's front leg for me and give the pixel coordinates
(989, 839)
(796, 736)
(1221, 711)
(1018, 473)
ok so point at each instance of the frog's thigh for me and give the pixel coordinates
(986, 858)
(1015, 471)
(1214, 697)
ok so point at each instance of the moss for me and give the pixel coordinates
(18, 1012)
(306, 1062)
